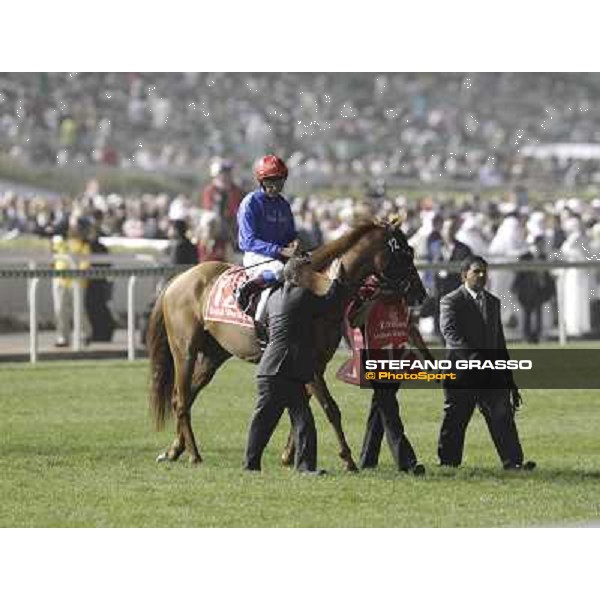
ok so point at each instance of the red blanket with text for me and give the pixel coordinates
(385, 328)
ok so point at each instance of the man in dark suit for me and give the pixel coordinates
(471, 326)
(444, 247)
(181, 250)
(289, 363)
(376, 306)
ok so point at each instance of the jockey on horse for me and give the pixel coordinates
(267, 233)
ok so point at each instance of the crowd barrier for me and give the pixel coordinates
(34, 274)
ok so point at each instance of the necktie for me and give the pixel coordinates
(481, 303)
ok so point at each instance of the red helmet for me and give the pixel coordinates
(270, 166)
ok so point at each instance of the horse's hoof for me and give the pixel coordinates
(162, 457)
(351, 467)
(195, 460)
(287, 460)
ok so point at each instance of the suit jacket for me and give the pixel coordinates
(445, 285)
(183, 252)
(290, 311)
(468, 336)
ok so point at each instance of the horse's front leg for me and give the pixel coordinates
(287, 456)
(334, 416)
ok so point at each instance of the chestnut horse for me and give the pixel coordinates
(185, 350)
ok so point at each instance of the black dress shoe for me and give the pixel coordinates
(252, 469)
(418, 470)
(316, 473)
(368, 466)
(528, 465)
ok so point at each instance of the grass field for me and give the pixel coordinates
(77, 450)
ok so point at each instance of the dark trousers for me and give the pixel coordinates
(532, 323)
(384, 416)
(275, 394)
(96, 299)
(499, 415)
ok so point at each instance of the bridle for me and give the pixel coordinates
(402, 254)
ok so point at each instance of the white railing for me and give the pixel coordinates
(34, 274)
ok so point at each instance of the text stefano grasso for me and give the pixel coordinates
(444, 364)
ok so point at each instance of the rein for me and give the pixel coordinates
(301, 254)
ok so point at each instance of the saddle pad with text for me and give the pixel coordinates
(221, 305)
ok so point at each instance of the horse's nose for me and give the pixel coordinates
(418, 295)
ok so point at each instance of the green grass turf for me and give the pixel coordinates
(77, 449)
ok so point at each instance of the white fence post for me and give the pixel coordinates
(560, 305)
(77, 312)
(33, 320)
(77, 302)
(131, 317)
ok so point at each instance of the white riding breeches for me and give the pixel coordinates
(262, 263)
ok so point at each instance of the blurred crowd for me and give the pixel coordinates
(502, 228)
(425, 127)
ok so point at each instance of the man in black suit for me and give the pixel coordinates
(181, 250)
(289, 363)
(444, 247)
(374, 306)
(471, 326)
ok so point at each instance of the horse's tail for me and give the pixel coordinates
(161, 365)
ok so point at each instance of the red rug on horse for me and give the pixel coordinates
(385, 327)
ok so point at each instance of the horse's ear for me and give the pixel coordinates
(396, 221)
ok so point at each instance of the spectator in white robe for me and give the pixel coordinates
(418, 241)
(577, 284)
(507, 245)
(473, 233)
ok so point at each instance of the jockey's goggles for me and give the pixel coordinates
(273, 181)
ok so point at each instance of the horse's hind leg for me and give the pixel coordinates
(206, 366)
(176, 448)
(182, 404)
(334, 416)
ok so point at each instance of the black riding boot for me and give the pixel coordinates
(248, 293)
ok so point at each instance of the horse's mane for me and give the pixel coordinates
(323, 256)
